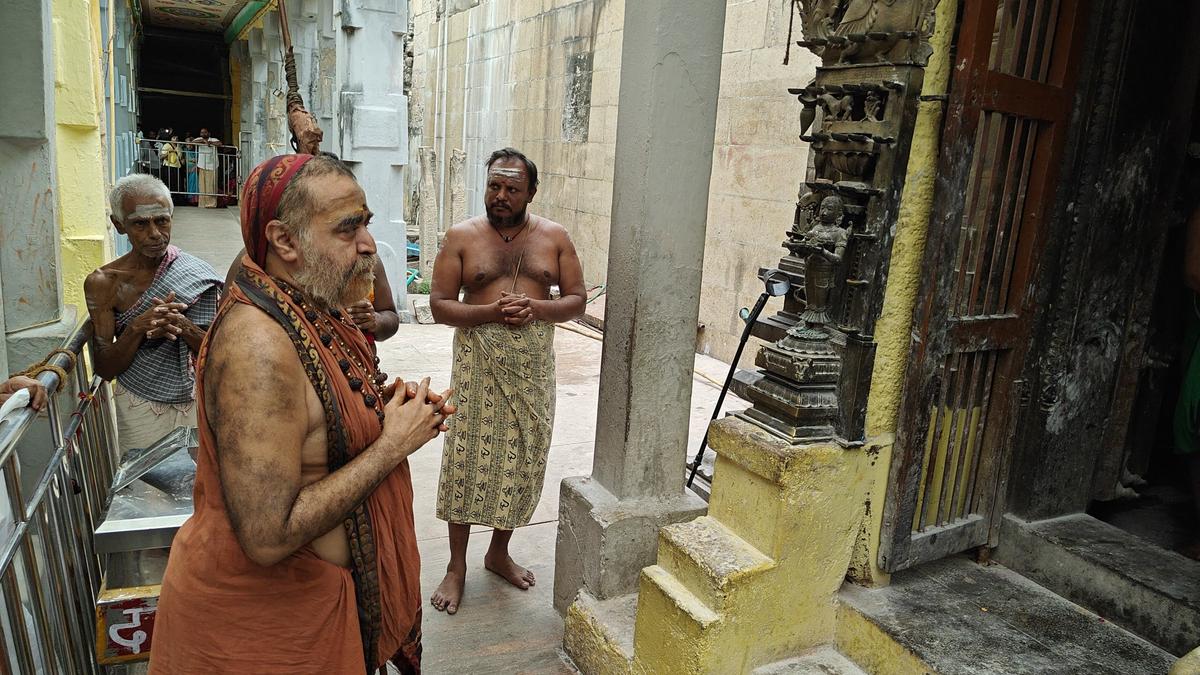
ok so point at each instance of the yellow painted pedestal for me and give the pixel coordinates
(756, 580)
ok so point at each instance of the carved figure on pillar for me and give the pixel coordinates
(858, 115)
(836, 108)
(825, 244)
(865, 31)
(795, 395)
(872, 107)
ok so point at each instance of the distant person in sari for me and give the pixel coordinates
(190, 157)
(172, 166)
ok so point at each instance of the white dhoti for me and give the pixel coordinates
(140, 422)
(208, 188)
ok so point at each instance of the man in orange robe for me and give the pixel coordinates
(301, 555)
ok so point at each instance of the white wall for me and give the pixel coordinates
(350, 68)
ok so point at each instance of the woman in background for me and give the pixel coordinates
(193, 176)
(172, 167)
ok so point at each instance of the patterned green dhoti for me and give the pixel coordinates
(494, 458)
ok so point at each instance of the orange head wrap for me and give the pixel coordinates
(260, 200)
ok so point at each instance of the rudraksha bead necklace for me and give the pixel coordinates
(372, 380)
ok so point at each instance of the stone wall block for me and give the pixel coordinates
(595, 197)
(746, 26)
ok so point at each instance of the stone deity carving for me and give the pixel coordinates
(872, 107)
(825, 245)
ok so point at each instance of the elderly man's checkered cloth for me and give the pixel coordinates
(162, 369)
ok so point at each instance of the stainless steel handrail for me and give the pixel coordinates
(49, 572)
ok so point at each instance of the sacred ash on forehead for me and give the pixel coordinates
(150, 210)
(506, 172)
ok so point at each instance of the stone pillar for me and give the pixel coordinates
(858, 114)
(609, 522)
(458, 186)
(29, 260)
(427, 216)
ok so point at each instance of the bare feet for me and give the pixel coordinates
(512, 572)
(449, 592)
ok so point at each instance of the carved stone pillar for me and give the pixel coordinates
(858, 114)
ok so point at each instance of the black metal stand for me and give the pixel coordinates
(753, 316)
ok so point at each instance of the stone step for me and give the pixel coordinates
(709, 559)
(659, 585)
(955, 617)
(820, 661)
(1123, 578)
(598, 634)
(665, 602)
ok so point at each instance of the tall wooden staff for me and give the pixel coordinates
(306, 133)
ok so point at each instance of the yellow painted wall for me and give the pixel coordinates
(79, 143)
(900, 298)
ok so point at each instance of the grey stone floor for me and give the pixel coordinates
(499, 628)
(962, 618)
(210, 234)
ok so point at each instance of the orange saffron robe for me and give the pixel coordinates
(220, 612)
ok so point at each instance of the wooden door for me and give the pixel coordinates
(1002, 143)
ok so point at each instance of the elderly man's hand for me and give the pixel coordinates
(363, 315)
(171, 325)
(37, 393)
(148, 321)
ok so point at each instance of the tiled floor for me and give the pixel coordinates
(499, 628)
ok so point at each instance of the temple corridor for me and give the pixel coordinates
(498, 629)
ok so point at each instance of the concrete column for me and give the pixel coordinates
(609, 522)
(29, 259)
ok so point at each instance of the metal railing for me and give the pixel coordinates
(193, 170)
(49, 572)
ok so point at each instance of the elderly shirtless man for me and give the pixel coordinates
(150, 309)
(494, 459)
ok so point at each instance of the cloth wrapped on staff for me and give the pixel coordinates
(494, 459)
